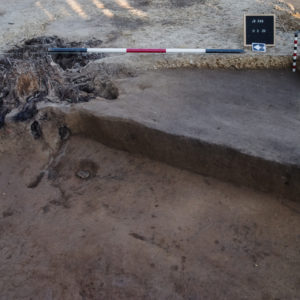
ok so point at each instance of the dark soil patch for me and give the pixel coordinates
(129, 23)
(64, 133)
(141, 3)
(87, 166)
(28, 75)
(37, 48)
(185, 3)
(36, 130)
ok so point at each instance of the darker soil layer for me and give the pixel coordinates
(106, 224)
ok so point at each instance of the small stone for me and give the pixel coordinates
(64, 133)
(82, 174)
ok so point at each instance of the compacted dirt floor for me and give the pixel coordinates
(89, 222)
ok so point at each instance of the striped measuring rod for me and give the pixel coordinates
(130, 50)
(295, 51)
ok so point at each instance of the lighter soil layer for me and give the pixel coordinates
(157, 24)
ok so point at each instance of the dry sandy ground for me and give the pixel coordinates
(147, 23)
(135, 229)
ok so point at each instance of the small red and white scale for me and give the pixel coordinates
(164, 50)
(295, 51)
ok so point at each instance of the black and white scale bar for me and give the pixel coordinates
(141, 50)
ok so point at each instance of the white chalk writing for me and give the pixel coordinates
(257, 21)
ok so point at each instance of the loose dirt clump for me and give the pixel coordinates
(28, 75)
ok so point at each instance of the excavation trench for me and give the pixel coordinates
(230, 164)
(80, 220)
(105, 199)
(237, 126)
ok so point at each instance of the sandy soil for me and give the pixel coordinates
(135, 229)
(150, 23)
(81, 221)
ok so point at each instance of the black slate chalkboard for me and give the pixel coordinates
(259, 29)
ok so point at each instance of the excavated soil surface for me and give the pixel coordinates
(79, 220)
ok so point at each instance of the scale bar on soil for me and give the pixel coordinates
(141, 50)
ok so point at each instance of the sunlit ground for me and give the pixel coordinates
(145, 23)
(84, 10)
